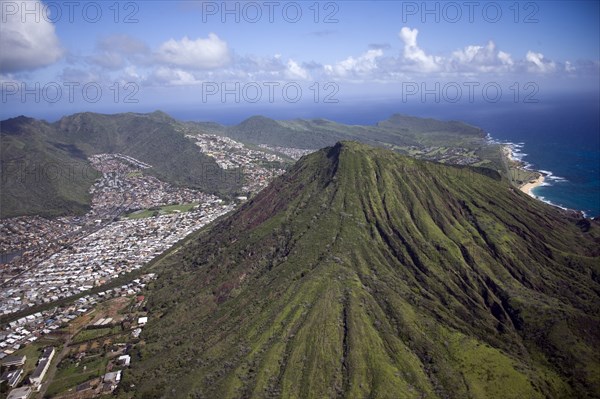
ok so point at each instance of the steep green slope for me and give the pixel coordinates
(45, 170)
(41, 176)
(151, 138)
(363, 273)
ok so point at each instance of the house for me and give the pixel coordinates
(39, 373)
(113, 378)
(124, 360)
(142, 321)
(11, 377)
(15, 360)
(19, 393)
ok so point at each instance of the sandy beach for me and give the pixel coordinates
(527, 187)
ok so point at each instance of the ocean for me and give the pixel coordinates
(559, 136)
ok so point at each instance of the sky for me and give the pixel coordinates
(58, 58)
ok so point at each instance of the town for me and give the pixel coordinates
(54, 264)
(294, 153)
(257, 167)
(85, 345)
(103, 248)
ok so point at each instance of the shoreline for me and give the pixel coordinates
(517, 163)
(508, 151)
(528, 187)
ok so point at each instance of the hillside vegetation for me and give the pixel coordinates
(363, 273)
(400, 133)
(58, 175)
(61, 149)
(41, 175)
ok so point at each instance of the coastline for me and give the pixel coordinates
(529, 186)
(514, 158)
(516, 162)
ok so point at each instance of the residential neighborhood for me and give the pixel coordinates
(257, 167)
(134, 217)
(65, 262)
(294, 153)
(60, 340)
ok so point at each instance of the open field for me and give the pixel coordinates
(71, 374)
(163, 210)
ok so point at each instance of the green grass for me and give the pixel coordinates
(164, 210)
(33, 352)
(41, 175)
(136, 173)
(362, 273)
(70, 374)
(88, 335)
(488, 372)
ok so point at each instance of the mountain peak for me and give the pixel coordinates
(380, 274)
(258, 120)
(16, 124)
(160, 116)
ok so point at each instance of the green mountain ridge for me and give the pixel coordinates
(63, 147)
(364, 273)
(158, 139)
(41, 174)
(398, 130)
(151, 138)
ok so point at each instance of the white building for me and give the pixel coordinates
(19, 393)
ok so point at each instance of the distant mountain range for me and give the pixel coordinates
(399, 130)
(45, 169)
(364, 273)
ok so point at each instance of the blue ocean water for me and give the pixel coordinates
(560, 138)
(560, 135)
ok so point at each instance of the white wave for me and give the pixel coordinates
(547, 201)
(557, 179)
(527, 165)
(548, 175)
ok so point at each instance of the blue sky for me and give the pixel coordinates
(173, 55)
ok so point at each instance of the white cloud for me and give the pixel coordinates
(414, 54)
(173, 77)
(537, 63)
(481, 58)
(355, 67)
(132, 71)
(569, 67)
(295, 71)
(26, 45)
(192, 61)
(201, 53)
(505, 58)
